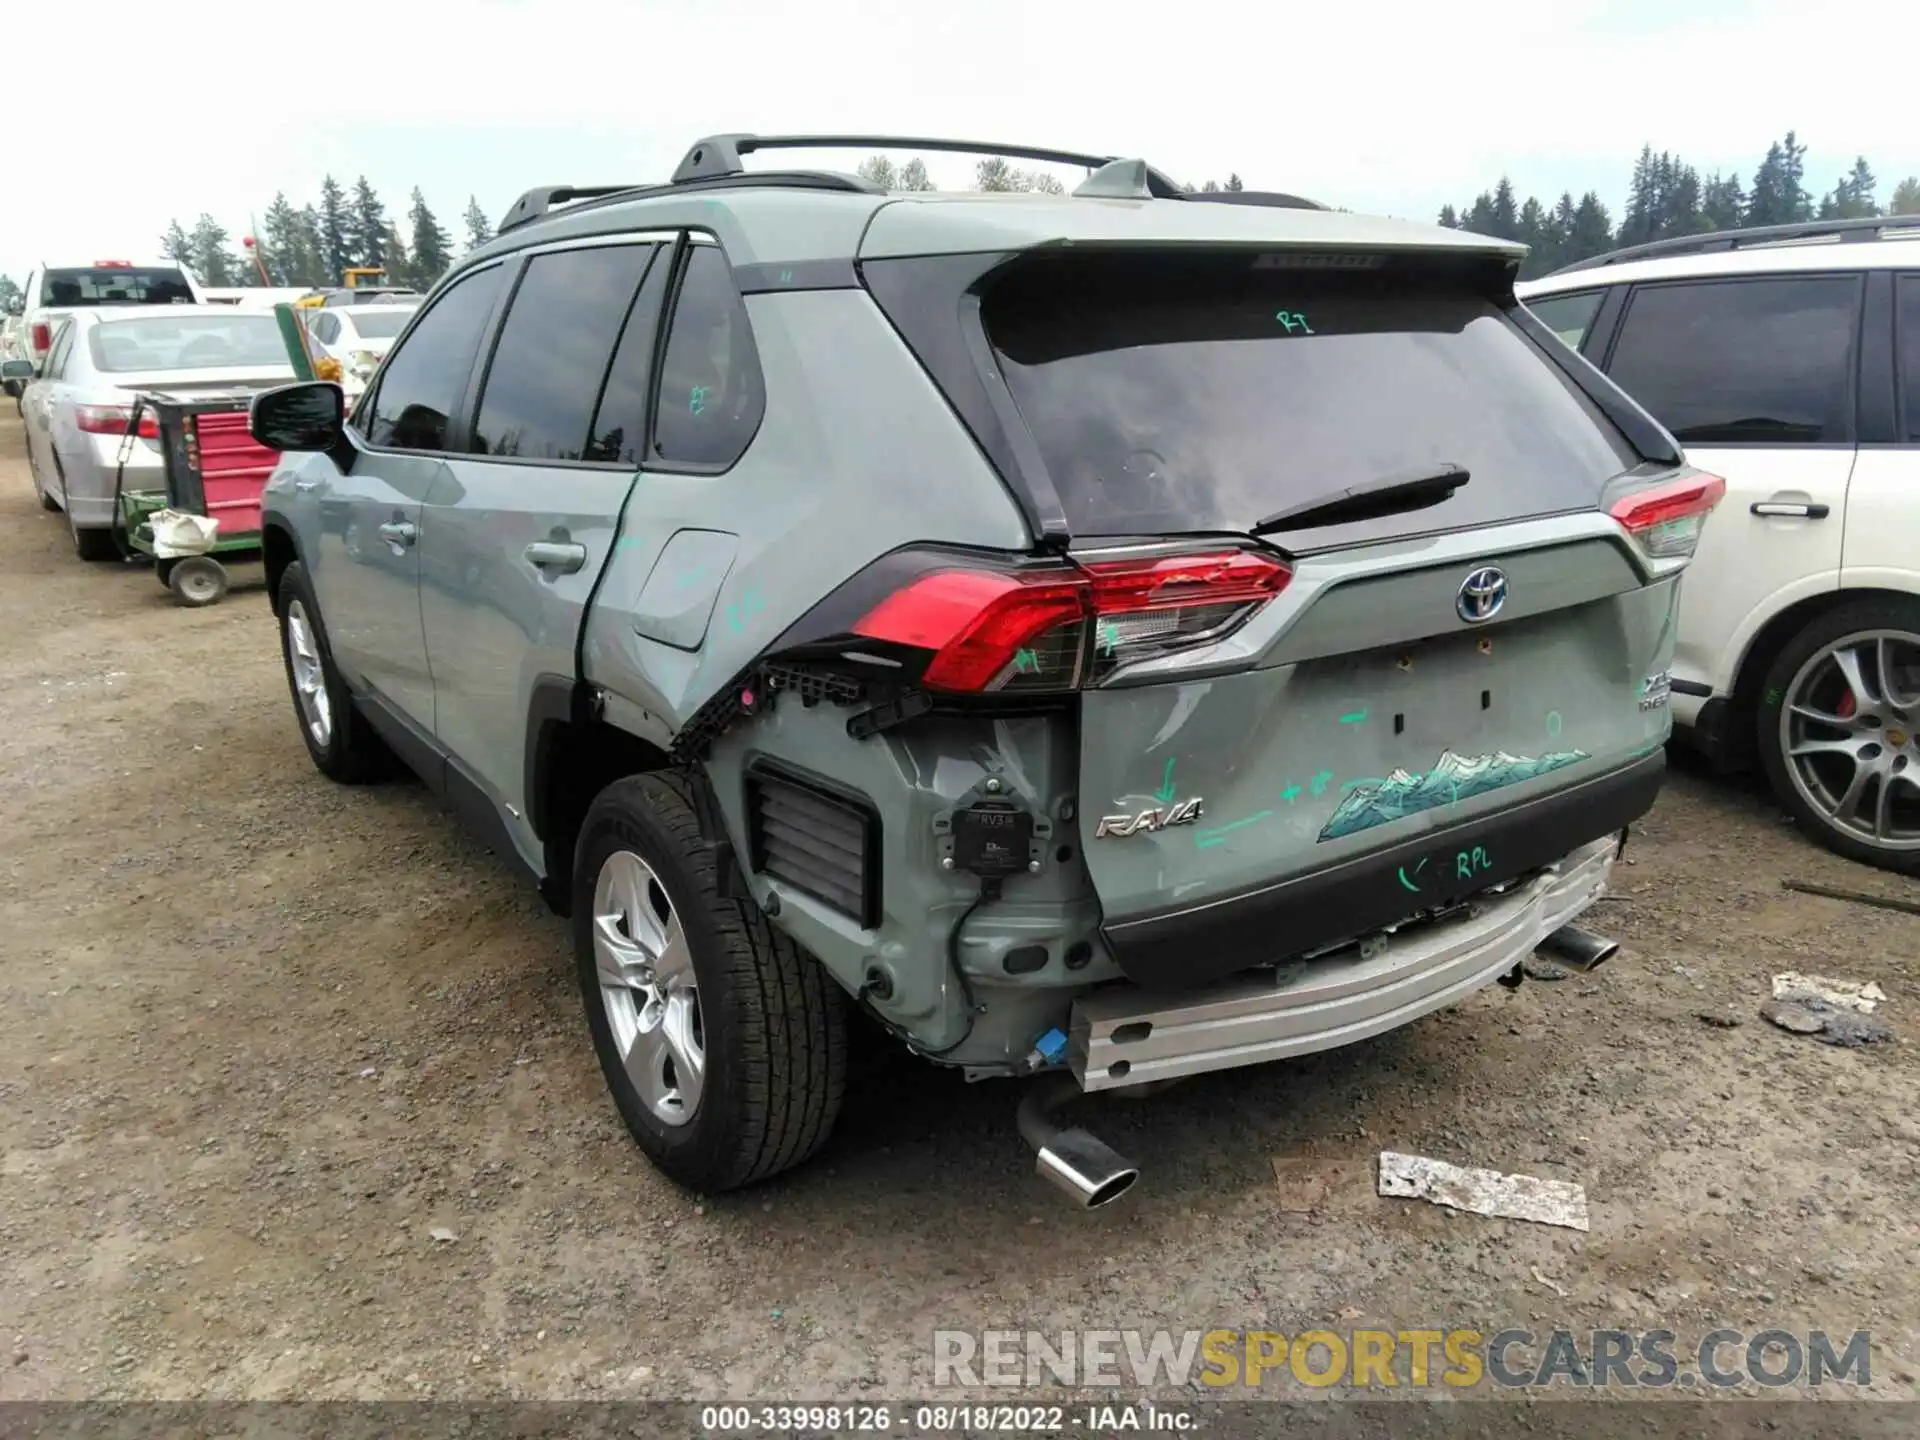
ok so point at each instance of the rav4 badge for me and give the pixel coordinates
(1184, 813)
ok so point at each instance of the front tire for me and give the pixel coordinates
(723, 1043)
(1839, 731)
(343, 746)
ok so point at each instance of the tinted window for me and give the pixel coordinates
(116, 285)
(423, 378)
(191, 342)
(1211, 393)
(1743, 360)
(326, 328)
(1568, 316)
(711, 391)
(553, 352)
(622, 417)
(1908, 300)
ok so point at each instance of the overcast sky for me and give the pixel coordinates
(135, 114)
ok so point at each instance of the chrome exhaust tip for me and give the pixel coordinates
(1086, 1168)
(1078, 1163)
(1579, 948)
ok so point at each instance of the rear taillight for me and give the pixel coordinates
(1665, 521)
(112, 420)
(1059, 627)
(42, 335)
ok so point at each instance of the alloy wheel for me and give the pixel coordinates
(647, 987)
(1850, 734)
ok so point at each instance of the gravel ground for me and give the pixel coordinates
(261, 1037)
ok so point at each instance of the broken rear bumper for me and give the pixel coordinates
(1123, 1035)
(1180, 948)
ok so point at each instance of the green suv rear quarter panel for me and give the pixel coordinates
(858, 455)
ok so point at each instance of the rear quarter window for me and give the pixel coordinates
(1184, 395)
(1761, 361)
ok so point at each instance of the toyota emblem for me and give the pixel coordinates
(1481, 595)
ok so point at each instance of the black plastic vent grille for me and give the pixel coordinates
(820, 842)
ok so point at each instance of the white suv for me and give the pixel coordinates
(1787, 359)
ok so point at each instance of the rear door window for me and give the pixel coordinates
(1208, 394)
(1907, 302)
(1764, 361)
(115, 285)
(621, 421)
(1568, 316)
(425, 377)
(553, 352)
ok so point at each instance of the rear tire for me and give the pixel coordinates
(1878, 732)
(93, 546)
(654, 939)
(343, 746)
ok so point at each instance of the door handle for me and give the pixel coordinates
(1789, 509)
(554, 555)
(399, 533)
(304, 485)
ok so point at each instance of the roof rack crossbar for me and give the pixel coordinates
(719, 155)
(1871, 227)
(542, 198)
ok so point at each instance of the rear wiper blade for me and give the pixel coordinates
(1389, 495)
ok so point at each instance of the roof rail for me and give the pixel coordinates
(719, 155)
(1871, 227)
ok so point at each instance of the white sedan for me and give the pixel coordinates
(357, 336)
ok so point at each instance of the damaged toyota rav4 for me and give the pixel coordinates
(1105, 637)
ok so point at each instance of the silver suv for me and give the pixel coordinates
(1108, 636)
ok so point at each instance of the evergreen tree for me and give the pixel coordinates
(176, 246)
(1906, 197)
(479, 229)
(1506, 212)
(1723, 204)
(1853, 197)
(432, 250)
(367, 226)
(1592, 232)
(1779, 194)
(312, 250)
(208, 246)
(1233, 183)
(280, 238)
(399, 265)
(1449, 218)
(336, 243)
(1535, 231)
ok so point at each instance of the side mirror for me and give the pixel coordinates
(309, 416)
(17, 370)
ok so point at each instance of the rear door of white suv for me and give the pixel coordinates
(1882, 547)
(1755, 376)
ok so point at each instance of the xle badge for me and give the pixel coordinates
(1114, 826)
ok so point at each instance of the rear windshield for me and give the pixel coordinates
(191, 342)
(115, 285)
(381, 324)
(1212, 392)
